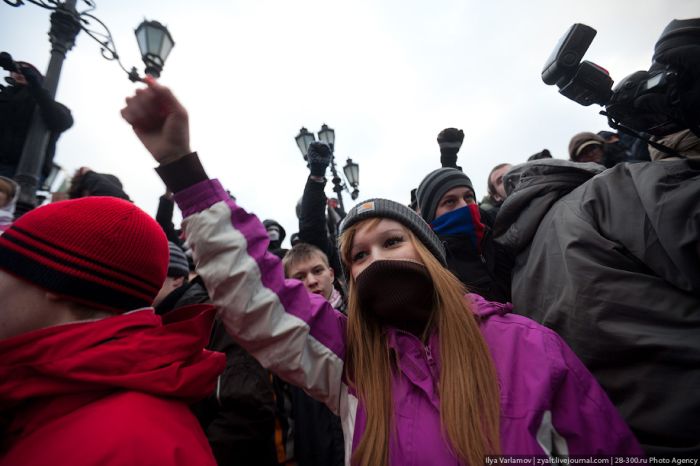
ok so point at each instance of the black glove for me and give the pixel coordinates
(450, 140)
(319, 156)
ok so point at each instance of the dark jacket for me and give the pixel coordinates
(613, 267)
(164, 217)
(489, 206)
(239, 416)
(17, 104)
(318, 435)
(312, 225)
(486, 273)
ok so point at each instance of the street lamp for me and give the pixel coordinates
(352, 174)
(155, 43)
(66, 23)
(351, 169)
(304, 140)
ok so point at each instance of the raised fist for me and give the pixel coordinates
(451, 137)
(450, 140)
(319, 157)
(159, 121)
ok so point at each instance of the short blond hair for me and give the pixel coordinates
(302, 252)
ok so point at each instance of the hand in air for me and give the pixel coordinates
(159, 121)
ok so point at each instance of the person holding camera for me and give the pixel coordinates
(590, 147)
(17, 104)
(610, 259)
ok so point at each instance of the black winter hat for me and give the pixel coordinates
(384, 208)
(435, 185)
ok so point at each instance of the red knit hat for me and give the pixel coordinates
(101, 251)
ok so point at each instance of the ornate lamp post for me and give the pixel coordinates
(351, 169)
(66, 23)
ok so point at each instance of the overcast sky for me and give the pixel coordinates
(387, 75)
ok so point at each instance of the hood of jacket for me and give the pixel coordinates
(83, 361)
(7, 212)
(532, 188)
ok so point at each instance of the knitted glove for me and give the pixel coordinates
(319, 157)
(450, 140)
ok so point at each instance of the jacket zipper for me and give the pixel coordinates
(431, 366)
(428, 355)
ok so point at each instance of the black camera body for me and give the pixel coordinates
(7, 63)
(663, 100)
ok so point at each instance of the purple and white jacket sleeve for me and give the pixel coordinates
(295, 334)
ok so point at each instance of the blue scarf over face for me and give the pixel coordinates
(465, 221)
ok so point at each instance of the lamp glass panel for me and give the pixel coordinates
(167, 46)
(141, 38)
(155, 39)
(327, 135)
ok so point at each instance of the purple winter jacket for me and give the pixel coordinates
(550, 404)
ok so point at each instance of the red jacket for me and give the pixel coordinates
(108, 392)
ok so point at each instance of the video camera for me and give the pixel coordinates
(661, 101)
(7, 63)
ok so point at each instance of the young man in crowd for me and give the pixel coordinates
(447, 201)
(496, 191)
(314, 433)
(89, 374)
(309, 264)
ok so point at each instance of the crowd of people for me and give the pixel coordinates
(557, 317)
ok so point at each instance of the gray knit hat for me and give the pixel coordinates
(384, 208)
(178, 265)
(435, 185)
